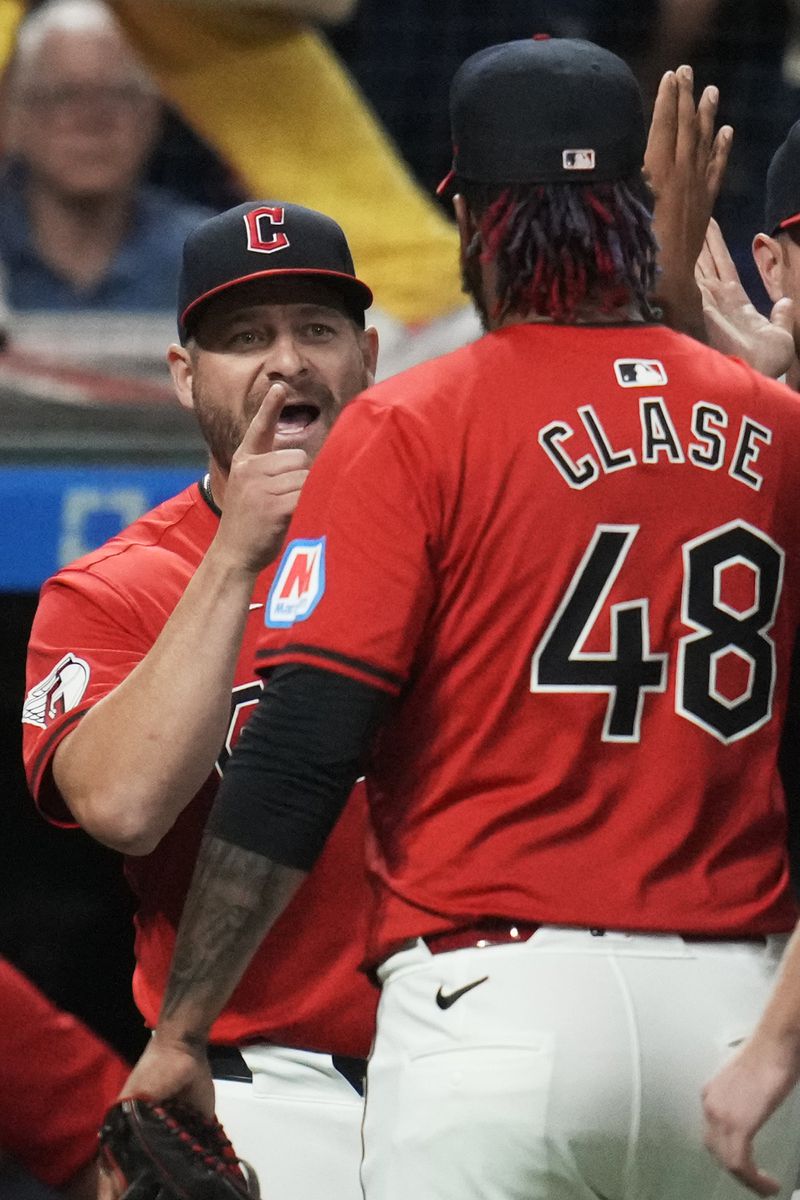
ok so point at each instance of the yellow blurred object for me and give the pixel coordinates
(11, 13)
(270, 95)
(329, 12)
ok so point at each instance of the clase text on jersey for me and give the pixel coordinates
(714, 443)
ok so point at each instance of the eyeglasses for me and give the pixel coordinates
(121, 99)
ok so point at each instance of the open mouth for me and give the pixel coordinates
(295, 418)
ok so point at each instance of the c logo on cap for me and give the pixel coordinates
(255, 242)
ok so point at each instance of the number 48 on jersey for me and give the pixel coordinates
(629, 669)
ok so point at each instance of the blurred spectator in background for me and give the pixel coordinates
(79, 230)
(56, 1081)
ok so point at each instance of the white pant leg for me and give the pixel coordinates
(574, 1071)
(298, 1124)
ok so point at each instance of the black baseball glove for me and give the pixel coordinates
(170, 1152)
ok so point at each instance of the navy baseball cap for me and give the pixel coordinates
(782, 208)
(266, 239)
(545, 110)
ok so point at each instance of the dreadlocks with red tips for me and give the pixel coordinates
(558, 248)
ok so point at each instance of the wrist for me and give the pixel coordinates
(173, 1036)
(681, 305)
(229, 566)
(776, 1051)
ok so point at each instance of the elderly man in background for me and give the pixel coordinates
(78, 227)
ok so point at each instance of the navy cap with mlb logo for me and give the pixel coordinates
(545, 110)
(266, 239)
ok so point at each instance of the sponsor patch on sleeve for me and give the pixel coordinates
(57, 693)
(299, 584)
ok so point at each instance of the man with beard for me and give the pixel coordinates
(140, 675)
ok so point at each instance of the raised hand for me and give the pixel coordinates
(262, 489)
(733, 324)
(684, 162)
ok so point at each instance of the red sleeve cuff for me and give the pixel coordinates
(313, 656)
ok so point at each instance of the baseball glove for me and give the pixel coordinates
(171, 1152)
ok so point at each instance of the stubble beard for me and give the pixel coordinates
(223, 430)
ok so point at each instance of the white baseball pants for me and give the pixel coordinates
(298, 1124)
(570, 1069)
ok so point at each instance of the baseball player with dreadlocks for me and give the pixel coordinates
(545, 591)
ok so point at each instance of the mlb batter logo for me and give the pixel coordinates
(578, 160)
(299, 584)
(640, 372)
(57, 693)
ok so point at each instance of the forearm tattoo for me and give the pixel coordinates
(234, 898)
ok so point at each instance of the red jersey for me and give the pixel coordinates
(574, 556)
(56, 1081)
(97, 618)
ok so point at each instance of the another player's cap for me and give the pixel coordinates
(266, 239)
(783, 185)
(545, 110)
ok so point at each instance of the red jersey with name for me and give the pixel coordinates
(57, 1079)
(98, 618)
(573, 554)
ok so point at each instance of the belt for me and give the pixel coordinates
(489, 932)
(486, 933)
(227, 1062)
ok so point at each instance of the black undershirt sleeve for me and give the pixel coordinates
(295, 764)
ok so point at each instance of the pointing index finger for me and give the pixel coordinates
(260, 434)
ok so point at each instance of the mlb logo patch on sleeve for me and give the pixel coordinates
(299, 584)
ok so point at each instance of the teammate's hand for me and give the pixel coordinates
(738, 1101)
(733, 324)
(263, 488)
(684, 162)
(172, 1070)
